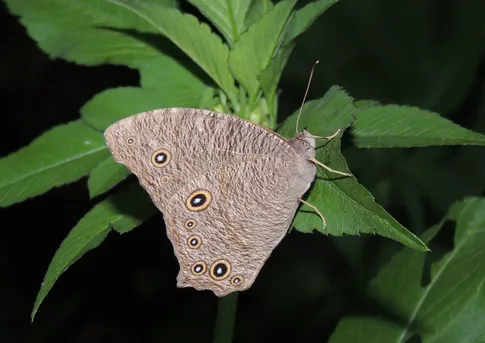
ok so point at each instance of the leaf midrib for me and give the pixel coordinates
(51, 166)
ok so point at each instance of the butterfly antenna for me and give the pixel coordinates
(306, 93)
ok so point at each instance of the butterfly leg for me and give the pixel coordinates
(314, 160)
(317, 211)
(328, 138)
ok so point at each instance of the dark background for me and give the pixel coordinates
(423, 53)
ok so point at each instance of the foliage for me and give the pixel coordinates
(238, 68)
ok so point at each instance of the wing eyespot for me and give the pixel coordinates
(198, 200)
(198, 268)
(194, 242)
(190, 224)
(220, 270)
(161, 157)
(236, 280)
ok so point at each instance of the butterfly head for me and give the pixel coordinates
(304, 144)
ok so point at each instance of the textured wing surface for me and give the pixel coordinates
(247, 209)
(194, 141)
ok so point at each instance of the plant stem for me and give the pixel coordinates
(226, 316)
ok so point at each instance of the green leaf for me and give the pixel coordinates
(86, 32)
(227, 15)
(192, 37)
(60, 155)
(257, 10)
(173, 80)
(401, 126)
(120, 212)
(270, 77)
(304, 17)
(347, 206)
(114, 104)
(257, 46)
(105, 176)
(448, 309)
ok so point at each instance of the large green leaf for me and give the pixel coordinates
(227, 15)
(304, 17)
(105, 176)
(114, 104)
(347, 206)
(257, 46)
(60, 155)
(119, 212)
(448, 309)
(85, 32)
(173, 80)
(192, 37)
(402, 126)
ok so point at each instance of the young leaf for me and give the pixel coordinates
(85, 32)
(401, 126)
(448, 309)
(304, 17)
(122, 212)
(117, 103)
(60, 155)
(192, 37)
(257, 10)
(256, 47)
(105, 176)
(173, 80)
(227, 15)
(347, 206)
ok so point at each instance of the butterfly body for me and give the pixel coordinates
(228, 188)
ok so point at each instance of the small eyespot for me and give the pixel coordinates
(198, 200)
(194, 242)
(190, 224)
(164, 179)
(160, 158)
(236, 280)
(220, 270)
(131, 141)
(199, 268)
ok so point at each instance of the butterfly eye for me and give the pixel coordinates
(190, 224)
(160, 158)
(194, 242)
(198, 200)
(220, 270)
(199, 268)
(304, 144)
(237, 280)
(131, 141)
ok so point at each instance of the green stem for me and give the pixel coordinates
(226, 316)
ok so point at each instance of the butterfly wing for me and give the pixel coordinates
(167, 148)
(225, 224)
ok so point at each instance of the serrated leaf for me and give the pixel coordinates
(117, 103)
(60, 155)
(401, 126)
(122, 212)
(105, 176)
(257, 46)
(450, 308)
(173, 80)
(227, 15)
(304, 17)
(347, 206)
(86, 32)
(257, 10)
(192, 37)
